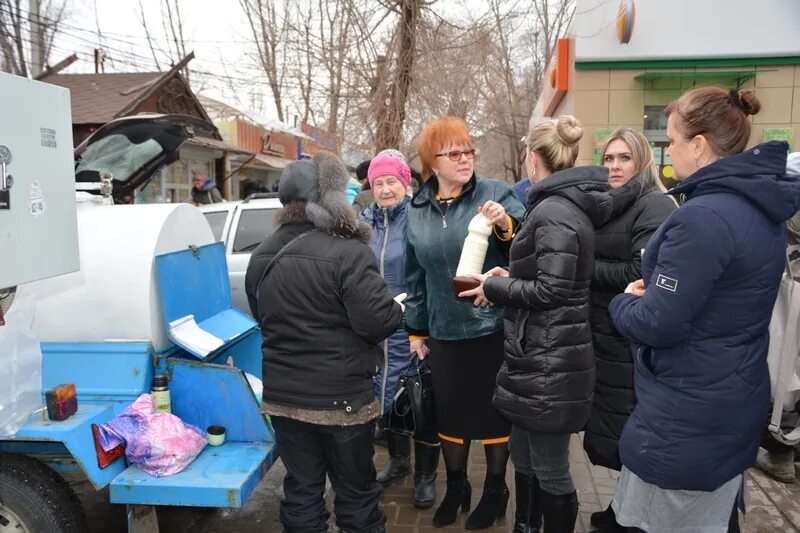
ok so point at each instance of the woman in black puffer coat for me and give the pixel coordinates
(639, 208)
(546, 382)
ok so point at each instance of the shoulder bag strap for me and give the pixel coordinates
(277, 256)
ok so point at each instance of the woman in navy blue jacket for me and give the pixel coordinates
(698, 320)
(389, 177)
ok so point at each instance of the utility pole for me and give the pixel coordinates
(38, 59)
(97, 61)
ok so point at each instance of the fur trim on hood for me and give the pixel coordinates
(330, 213)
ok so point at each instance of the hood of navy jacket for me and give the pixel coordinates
(758, 174)
(586, 187)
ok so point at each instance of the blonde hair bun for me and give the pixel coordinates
(569, 130)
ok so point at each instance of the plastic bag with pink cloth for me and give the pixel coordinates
(161, 444)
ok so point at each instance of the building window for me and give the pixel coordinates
(655, 123)
(655, 129)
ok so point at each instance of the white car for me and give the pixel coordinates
(242, 225)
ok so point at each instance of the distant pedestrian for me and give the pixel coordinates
(698, 320)
(204, 190)
(365, 197)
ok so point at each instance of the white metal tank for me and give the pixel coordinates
(114, 296)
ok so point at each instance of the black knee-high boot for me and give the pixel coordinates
(559, 512)
(528, 513)
(426, 460)
(399, 463)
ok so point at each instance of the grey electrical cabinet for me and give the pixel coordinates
(38, 223)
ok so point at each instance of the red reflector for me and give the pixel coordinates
(105, 458)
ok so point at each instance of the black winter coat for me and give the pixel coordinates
(546, 382)
(635, 217)
(322, 309)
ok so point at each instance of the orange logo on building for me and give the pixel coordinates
(625, 18)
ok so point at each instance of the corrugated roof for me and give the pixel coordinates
(97, 98)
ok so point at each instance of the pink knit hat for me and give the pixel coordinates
(385, 164)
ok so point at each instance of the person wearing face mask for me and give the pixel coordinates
(389, 178)
(639, 208)
(462, 342)
(546, 383)
(698, 320)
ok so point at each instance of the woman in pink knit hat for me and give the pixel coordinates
(389, 177)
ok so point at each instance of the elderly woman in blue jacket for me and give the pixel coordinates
(698, 320)
(389, 178)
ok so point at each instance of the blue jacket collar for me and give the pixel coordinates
(373, 212)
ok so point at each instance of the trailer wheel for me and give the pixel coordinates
(34, 499)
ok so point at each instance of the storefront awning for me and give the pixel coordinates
(737, 76)
(272, 161)
(207, 142)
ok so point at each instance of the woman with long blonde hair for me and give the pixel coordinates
(639, 208)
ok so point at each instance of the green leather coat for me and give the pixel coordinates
(433, 247)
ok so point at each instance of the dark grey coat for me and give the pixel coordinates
(636, 216)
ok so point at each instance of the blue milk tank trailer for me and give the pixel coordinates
(97, 287)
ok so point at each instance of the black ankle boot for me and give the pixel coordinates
(399, 464)
(426, 460)
(492, 505)
(459, 494)
(559, 512)
(528, 514)
(605, 520)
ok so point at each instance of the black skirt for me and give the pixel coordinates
(464, 379)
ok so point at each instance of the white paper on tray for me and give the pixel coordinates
(186, 332)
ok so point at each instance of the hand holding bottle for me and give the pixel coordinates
(495, 213)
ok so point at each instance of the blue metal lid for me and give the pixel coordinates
(195, 282)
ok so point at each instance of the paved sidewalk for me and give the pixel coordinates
(772, 506)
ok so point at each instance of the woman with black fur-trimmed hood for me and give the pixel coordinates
(323, 307)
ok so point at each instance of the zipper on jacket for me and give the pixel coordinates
(385, 341)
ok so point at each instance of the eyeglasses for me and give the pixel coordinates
(455, 155)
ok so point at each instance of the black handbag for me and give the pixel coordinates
(413, 408)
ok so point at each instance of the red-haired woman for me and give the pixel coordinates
(463, 341)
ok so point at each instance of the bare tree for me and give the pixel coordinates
(392, 96)
(336, 36)
(26, 35)
(268, 27)
(173, 26)
(150, 40)
(509, 106)
(553, 16)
